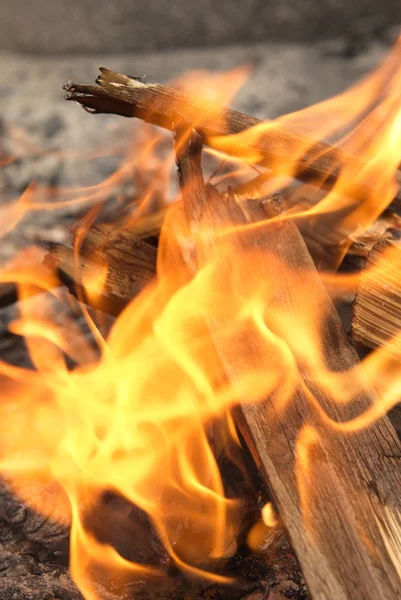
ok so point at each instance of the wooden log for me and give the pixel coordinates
(118, 264)
(343, 517)
(45, 527)
(376, 314)
(164, 106)
(387, 227)
(376, 317)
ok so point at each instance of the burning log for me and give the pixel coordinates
(376, 315)
(44, 527)
(164, 106)
(387, 227)
(124, 282)
(376, 318)
(117, 263)
(342, 517)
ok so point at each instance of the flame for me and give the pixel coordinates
(130, 437)
(364, 122)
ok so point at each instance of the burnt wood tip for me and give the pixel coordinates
(107, 79)
(115, 93)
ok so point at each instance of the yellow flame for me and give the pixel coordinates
(144, 418)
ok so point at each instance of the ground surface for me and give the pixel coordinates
(55, 26)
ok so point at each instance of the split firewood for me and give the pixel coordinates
(119, 290)
(115, 267)
(45, 526)
(376, 315)
(345, 538)
(164, 106)
(73, 271)
(387, 227)
(131, 266)
(105, 243)
(146, 226)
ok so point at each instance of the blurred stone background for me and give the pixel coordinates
(57, 26)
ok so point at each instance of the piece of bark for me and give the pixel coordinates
(113, 298)
(344, 523)
(376, 317)
(120, 264)
(167, 107)
(387, 226)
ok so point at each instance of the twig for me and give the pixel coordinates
(276, 147)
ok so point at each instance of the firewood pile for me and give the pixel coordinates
(335, 491)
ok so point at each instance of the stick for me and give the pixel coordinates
(346, 535)
(387, 226)
(164, 106)
(376, 315)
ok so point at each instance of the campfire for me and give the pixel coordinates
(217, 409)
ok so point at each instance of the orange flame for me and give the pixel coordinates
(140, 419)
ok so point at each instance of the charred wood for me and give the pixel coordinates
(376, 315)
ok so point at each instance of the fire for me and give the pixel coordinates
(142, 418)
(363, 122)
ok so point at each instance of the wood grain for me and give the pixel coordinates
(376, 314)
(124, 264)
